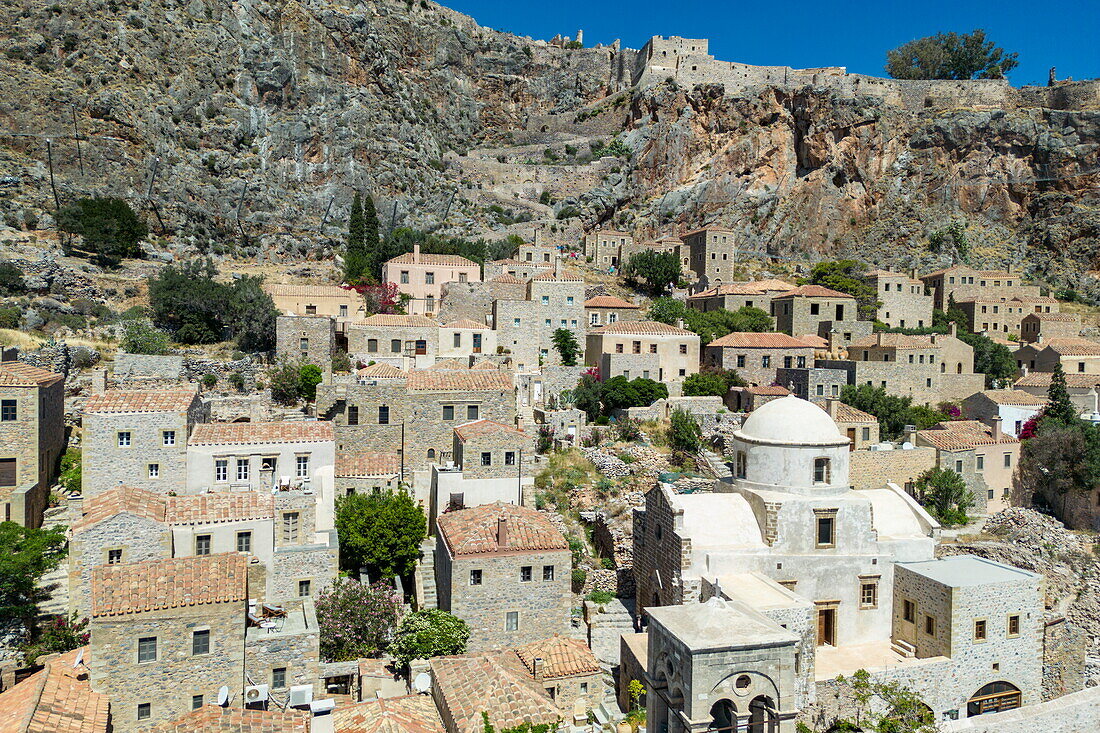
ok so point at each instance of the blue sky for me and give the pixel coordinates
(804, 34)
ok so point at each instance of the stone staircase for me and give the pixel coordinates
(54, 585)
(715, 465)
(425, 575)
(903, 648)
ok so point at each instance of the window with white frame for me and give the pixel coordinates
(124, 439)
(301, 466)
(242, 469)
(221, 470)
(169, 437)
(154, 470)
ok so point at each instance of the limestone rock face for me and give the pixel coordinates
(262, 117)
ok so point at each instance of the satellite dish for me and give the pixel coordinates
(223, 695)
(79, 659)
(422, 682)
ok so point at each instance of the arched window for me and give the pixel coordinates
(993, 698)
(431, 454)
(741, 463)
(822, 471)
(723, 717)
(959, 368)
(762, 717)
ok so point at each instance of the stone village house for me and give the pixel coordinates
(32, 440)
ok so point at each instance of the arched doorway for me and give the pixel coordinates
(723, 717)
(762, 717)
(993, 698)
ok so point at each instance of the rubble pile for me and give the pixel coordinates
(607, 464)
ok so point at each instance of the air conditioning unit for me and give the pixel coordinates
(255, 693)
(300, 696)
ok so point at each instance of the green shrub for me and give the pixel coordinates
(209, 380)
(70, 478)
(600, 597)
(109, 227)
(142, 337)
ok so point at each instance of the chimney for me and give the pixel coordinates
(538, 668)
(953, 329)
(1095, 400)
(832, 406)
(416, 254)
(913, 273)
(834, 342)
(502, 531)
(679, 323)
(557, 267)
(99, 381)
(996, 428)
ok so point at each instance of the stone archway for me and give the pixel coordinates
(762, 717)
(993, 698)
(723, 717)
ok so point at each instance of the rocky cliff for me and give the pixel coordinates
(260, 117)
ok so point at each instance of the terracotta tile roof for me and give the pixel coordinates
(609, 301)
(640, 328)
(216, 719)
(308, 290)
(474, 531)
(1016, 397)
(768, 390)
(485, 364)
(449, 365)
(18, 374)
(754, 287)
(961, 435)
(248, 433)
(387, 320)
(481, 380)
(1071, 346)
(814, 340)
(980, 273)
(1073, 379)
(405, 714)
(812, 291)
(707, 229)
(155, 585)
(153, 400)
(118, 500)
(561, 657)
(381, 370)
(1057, 317)
(564, 276)
(510, 279)
(466, 323)
(366, 463)
(222, 506)
(613, 232)
(432, 259)
(56, 699)
(1015, 299)
(885, 273)
(755, 340)
(481, 428)
(847, 413)
(894, 341)
(495, 683)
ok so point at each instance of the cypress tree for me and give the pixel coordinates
(371, 240)
(356, 257)
(1059, 407)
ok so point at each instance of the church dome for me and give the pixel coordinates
(791, 421)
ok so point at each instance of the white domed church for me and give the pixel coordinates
(786, 542)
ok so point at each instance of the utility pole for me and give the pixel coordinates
(328, 208)
(149, 194)
(53, 185)
(401, 480)
(76, 132)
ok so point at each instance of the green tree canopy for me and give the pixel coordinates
(380, 532)
(944, 493)
(429, 633)
(1059, 408)
(566, 345)
(309, 376)
(709, 325)
(109, 227)
(586, 396)
(950, 56)
(619, 393)
(846, 276)
(26, 554)
(1061, 458)
(141, 337)
(893, 412)
(712, 381)
(356, 620)
(683, 433)
(652, 271)
(191, 304)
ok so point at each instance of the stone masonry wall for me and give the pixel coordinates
(543, 606)
(138, 538)
(871, 469)
(105, 463)
(169, 683)
(297, 653)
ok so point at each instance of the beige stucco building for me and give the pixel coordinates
(421, 277)
(647, 349)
